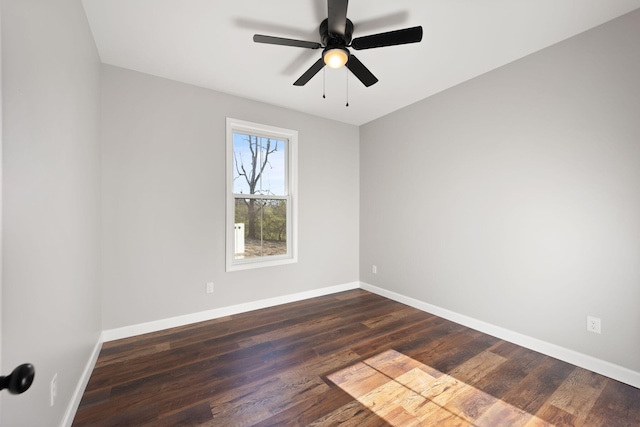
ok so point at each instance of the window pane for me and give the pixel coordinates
(260, 227)
(259, 165)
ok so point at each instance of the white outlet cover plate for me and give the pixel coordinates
(54, 389)
(594, 324)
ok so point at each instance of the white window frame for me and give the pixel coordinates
(291, 136)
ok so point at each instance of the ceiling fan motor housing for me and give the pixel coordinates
(331, 40)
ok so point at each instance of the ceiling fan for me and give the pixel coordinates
(335, 33)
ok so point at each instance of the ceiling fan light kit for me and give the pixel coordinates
(336, 57)
(335, 33)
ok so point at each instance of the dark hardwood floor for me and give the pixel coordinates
(353, 359)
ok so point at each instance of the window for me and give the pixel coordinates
(261, 198)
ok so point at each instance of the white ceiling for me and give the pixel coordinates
(208, 43)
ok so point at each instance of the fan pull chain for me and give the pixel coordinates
(347, 71)
(324, 83)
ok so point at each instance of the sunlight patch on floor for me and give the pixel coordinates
(405, 392)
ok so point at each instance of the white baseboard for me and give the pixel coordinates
(590, 363)
(72, 408)
(158, 325)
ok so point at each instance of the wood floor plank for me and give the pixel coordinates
(189, 416)
(368, 340)
(277, 394)
(388, 400)
(349, 359)
(308, 411)
(313, 370)
(617, 405)
(520, 363)
(358, 379)
(351, 414)
(536, 387)
(392, 363)
(578, 393)
(470, 404)
(503, 414)
(387, 318)
(550, 414)
(477, 367)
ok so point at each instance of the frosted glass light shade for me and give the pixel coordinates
(336, 58)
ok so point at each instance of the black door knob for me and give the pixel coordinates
(19, 380)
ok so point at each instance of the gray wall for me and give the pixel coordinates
(51, 298)
(163, 205)
(514, 198)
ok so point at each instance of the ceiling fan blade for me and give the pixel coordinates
(337, 16)
(391, 38)
(310, 73)
(360, 71)
(258, 38)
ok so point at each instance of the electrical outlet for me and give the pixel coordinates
(54, 389)
(210, 287)
(374, 269)
(594, 324)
